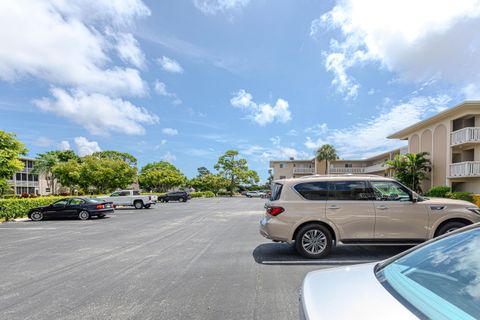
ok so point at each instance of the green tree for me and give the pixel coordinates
(209, 182)
(203, 171)
(105, 174)
(5, 187)
(44, 166)
(235, 170)
(326, 153)
(68, 173)
(10, 151)
(160, 176)
(116, 155)
(411, 169)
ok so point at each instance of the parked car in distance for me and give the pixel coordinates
(181, 196)
(131, 198)
(83, 208)
(435, 280)
(256, 194)
(316, 212)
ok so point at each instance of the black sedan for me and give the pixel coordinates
(181, 196)
(82, 208)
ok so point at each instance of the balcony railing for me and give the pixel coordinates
(376, 167)
(303, 170)
(469, 134)
(342, 170)
(465, 169)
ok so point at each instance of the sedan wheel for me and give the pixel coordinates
(181, 199)
(83, 215)
(313, 241)
(36, 216)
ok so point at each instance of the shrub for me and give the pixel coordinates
(467, 196)
(17, 208)
(196, 194)
(439, 191)
(209, 194)
(11, 196)
(476, 199)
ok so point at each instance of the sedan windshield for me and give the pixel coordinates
(440, 280)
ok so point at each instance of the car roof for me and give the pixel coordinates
(342, 177)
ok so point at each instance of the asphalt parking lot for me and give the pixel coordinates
(203, 259)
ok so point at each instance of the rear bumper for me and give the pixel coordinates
(102, 211)
(274, 229)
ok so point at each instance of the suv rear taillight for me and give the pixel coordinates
(274, 211)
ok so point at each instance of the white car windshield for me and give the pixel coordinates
(440, 280)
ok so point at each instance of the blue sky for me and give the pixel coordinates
(185, 81)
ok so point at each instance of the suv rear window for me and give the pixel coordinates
(276, 191)
(313, 190)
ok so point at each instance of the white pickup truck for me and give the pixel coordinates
(131, 198)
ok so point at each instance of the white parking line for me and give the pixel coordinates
(320, 262)
(39, 228)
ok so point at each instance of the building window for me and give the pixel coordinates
(282, 177)
(24, 177)
(29, 164)
(35, 177)
(348, 165)
(18, 176)
(47, 190)
(30, 177)
(281, 165)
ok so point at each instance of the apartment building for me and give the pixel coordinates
(25, 181)
(297, 168)
(452, 138)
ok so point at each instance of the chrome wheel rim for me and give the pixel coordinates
(314, 241)
(83, 215)
(36, 216)
(138, 205)
(451, 230)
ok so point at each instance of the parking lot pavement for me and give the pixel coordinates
(203, 259)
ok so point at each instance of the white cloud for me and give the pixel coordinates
(170, 65)
(419, 40)
(98, 113)
(169, 157)
(292, 133)
(265, 154)
(86, 147)
(163, 141)
(170, 131)
(317, 129)
(68, 42)
(129, 51)
(213, 7)
(275, 140)
(262, 113)
(161, 89)
(369, 137)
(64, 145)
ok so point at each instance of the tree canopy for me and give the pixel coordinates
(235, 170)
(411, 169)
(326, 153)
(160, 176)
(11, 150)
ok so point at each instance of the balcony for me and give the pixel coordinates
(376, 168)
(465, 169)
(343, 170)
(465, 135)
(303, 170)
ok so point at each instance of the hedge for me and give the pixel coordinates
(206, 194)
(18, 208)
(438, 191)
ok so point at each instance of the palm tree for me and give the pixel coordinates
(411, 169)
(44, 165)
(326, 153)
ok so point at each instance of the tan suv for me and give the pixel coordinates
(316, 212)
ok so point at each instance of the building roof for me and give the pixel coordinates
(296, 160)
(403, 134)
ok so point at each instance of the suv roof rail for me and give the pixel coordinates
(342, 175)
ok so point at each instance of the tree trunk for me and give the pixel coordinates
(326, 167)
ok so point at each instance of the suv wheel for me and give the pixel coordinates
(138, 204)
(449, 227)
(313, 241)
(181, 199)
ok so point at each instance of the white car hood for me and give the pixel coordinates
(351, 292)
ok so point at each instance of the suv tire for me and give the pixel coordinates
(449, 227)
(313, 241)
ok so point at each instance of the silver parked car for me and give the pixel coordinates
(439, 279)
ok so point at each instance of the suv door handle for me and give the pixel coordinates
(382, 207)
(333, 207)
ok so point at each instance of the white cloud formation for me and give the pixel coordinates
(64, 145)
(86, 147)
(263, 113)
(419, 40)
(369, 137)
(265, 154)
(98, 113)
(170, 131)
(161, 89)
(129, 51)
(43, 142)
(213, 7)
(169, 157)
(317, 129)
(68, 42)
(170, 65)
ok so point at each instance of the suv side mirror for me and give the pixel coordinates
(414, 197)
